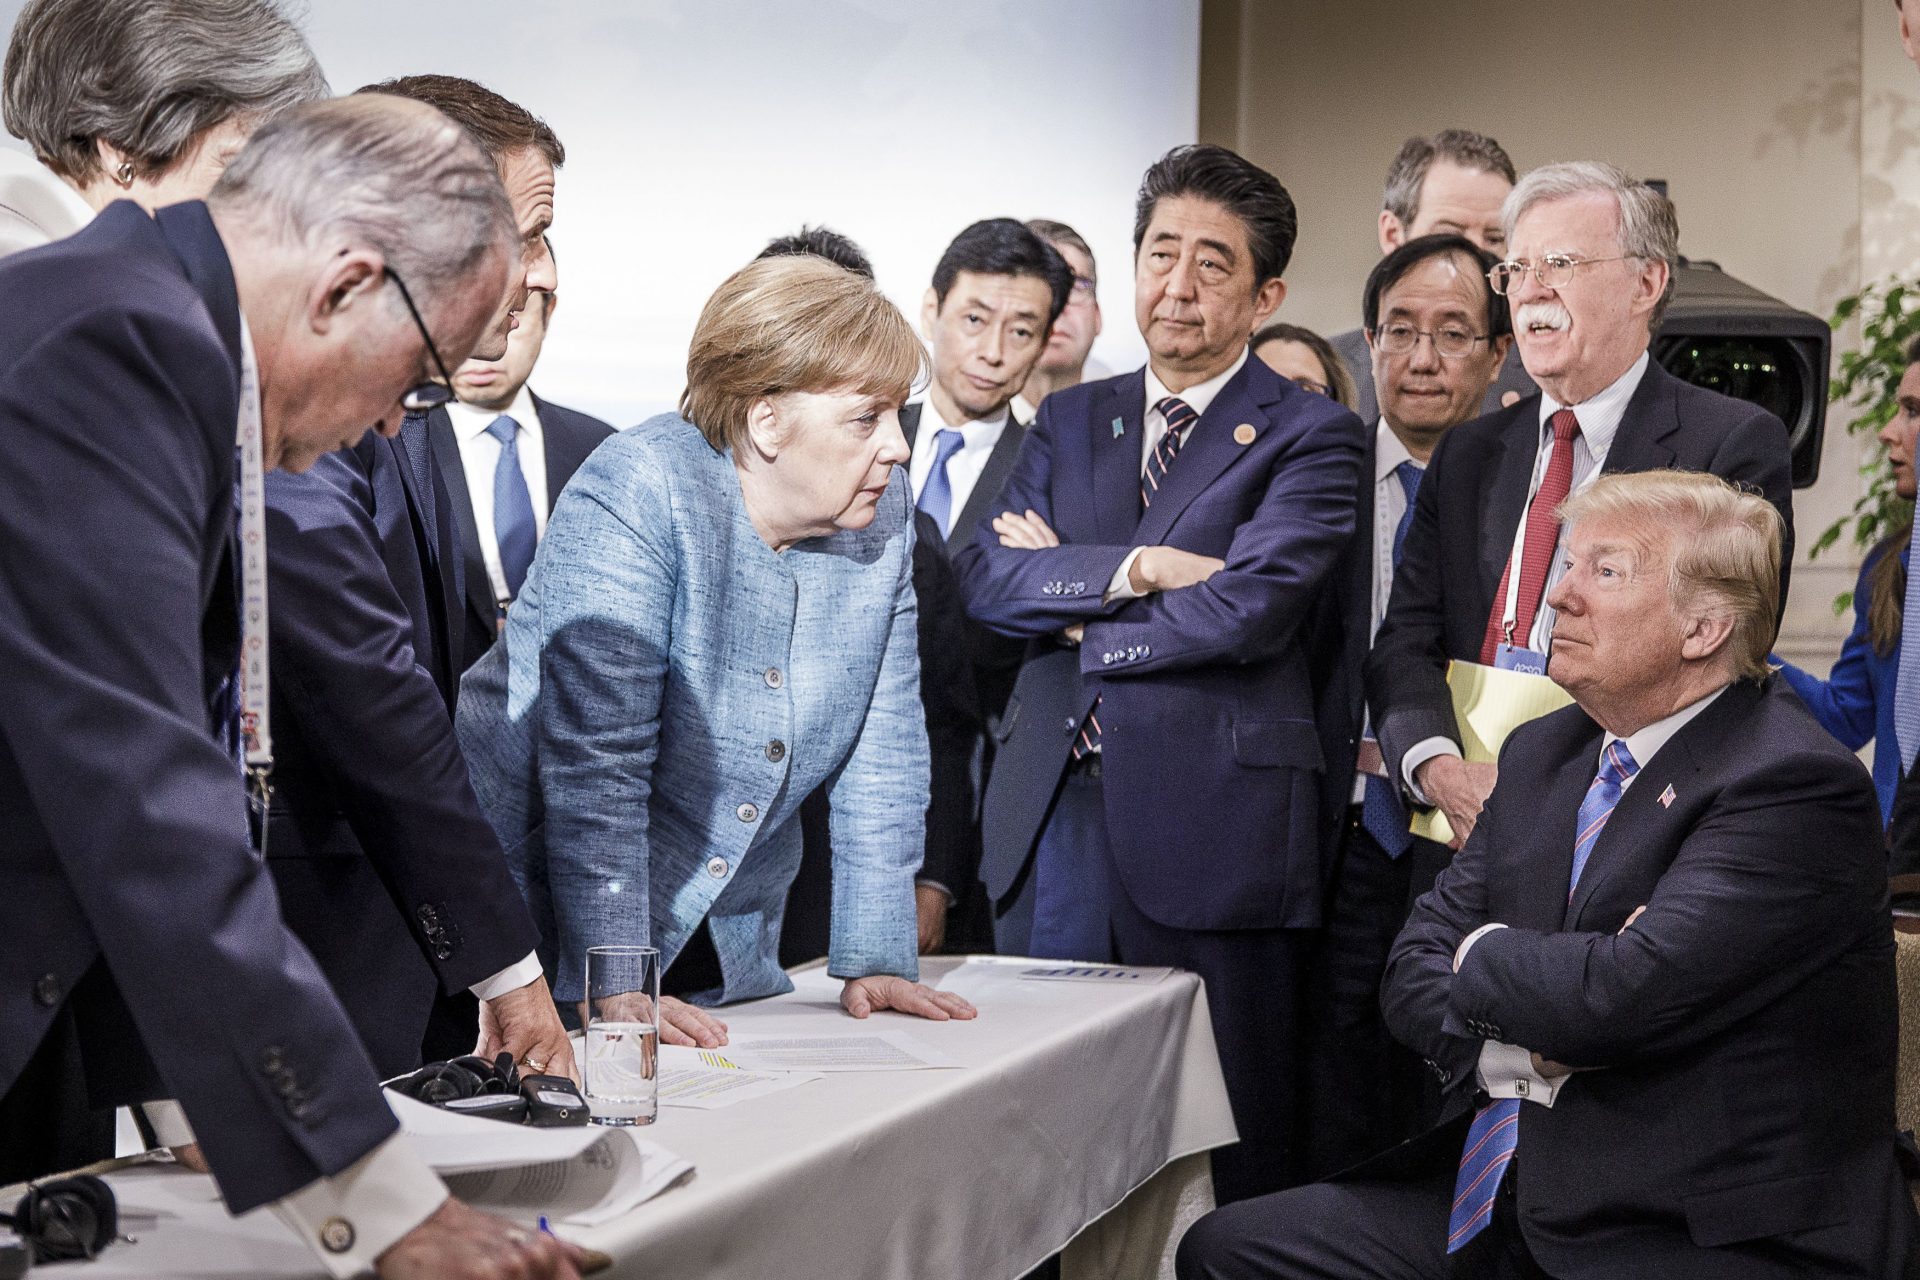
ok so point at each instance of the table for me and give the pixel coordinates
(1081, 1117)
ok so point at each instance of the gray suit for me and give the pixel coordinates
(1352, 348)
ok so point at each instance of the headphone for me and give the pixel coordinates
(66, 1219)
(439, 1083)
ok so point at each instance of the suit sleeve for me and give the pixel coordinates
(107, 505)
(952, 714)
(1406, 670)
(342, 656)
(1770, 887)
(1277, 566)
(1844, 702)
(1026, 593)
(879, 803)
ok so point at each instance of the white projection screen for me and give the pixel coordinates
(698, 129)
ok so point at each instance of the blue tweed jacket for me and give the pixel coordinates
(668, 692)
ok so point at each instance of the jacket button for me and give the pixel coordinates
(443, 952)
(717, 868)
(272, 1061)
(47, 990)
(1146, 651)
(1070, 724)
(776, 751)
(746, 813)
(774, 678)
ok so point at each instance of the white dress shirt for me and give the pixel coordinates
(1154, 426)
(1506, 1070)
(480, 456)
(1599, 417)
(963, 469)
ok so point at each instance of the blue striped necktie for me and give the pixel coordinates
(1381, 814)
(1495, 1133)
(1906, 684)
(936, 492)
(513, 526)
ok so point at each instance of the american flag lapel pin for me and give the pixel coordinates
(1667, 797)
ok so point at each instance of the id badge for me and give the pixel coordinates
(1511, 657)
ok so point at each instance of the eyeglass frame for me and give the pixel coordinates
(1379, 340)
(425, 396)
(1570, 262)
(1084, 287)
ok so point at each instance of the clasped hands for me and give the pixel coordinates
(1155, 568)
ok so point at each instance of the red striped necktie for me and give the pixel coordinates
(1543, 535)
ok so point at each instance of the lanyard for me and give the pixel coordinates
(256, 733)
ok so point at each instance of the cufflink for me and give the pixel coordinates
(336, 1235)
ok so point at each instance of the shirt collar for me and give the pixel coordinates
(1389, 452)
(1644, 743)
(471, 421)
(1601, 412)
(1199, 396)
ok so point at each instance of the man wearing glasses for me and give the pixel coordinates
(1438, 334)
(1067, 361)
(1590, 266)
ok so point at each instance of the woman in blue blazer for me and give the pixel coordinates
(1855, 702)
(720, 619)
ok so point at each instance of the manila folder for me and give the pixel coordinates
(1489, 704)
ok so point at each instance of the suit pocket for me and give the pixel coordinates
(1773, 1207)
(1277, 743)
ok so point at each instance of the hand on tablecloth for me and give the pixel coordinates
(461, 1243)
(862, 996)
(682, 1023)
(524, 1023)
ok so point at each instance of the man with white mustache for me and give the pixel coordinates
(1588, 276)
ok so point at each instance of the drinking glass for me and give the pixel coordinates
(622, 1067)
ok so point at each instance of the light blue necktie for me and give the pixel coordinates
(936, 495)
(1381, 814)
(513, 528)
(1495, 1133)
(1906, 685)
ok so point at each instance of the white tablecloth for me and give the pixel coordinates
(1073, 1096)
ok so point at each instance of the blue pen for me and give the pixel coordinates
(544, 1228)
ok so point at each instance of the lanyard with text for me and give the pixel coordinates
(255, 732)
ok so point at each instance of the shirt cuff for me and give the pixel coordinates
(1506, 1071)
(511, 978)
(1418, 754)
(169, 1121)
(352, 1218)
(935, 884)
(1120, 586)
(1460, 952)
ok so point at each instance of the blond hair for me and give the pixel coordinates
(795, 323)
(1723, 542)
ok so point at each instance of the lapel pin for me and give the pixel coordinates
(1667, 797)
(1243, 434)
(1119, 428)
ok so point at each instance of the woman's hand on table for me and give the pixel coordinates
(683, 1023)
(862, 996)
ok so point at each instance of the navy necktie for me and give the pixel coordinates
(1906, 683)
(1381, 813)
(513, 528)
(936, 494)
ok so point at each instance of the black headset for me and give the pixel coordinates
(439, 1083)
(66, 1219)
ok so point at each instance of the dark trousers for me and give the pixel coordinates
(1358, 1230)
(1364, 1090)
(1072, 906)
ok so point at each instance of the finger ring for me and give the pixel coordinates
(532, 1063)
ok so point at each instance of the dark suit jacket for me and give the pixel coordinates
(567, 437)
(387, 868)
(1472, 500)
(1207, 693)
(1739, 1118)
(1351, 347)
(122, 823)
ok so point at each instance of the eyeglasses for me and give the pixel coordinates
(1552, 271)
(1451, 341)
(1083, 289)
(426, 395)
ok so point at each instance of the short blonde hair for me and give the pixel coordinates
(1724, 545)
(794, 323)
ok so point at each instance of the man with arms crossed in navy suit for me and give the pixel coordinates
(1155, 799)
(140, 922)
(1658, 980)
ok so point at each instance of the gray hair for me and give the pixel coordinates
(382, 172)
(1648, 228)
(1407, 177)
(148, 76)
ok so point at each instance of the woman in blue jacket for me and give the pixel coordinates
(719, 620)
(1855, 702)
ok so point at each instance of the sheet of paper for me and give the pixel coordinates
(1111, 975)
(855, 1051)
(616, 1171)
(688, 1081)
(452, 1143)
(1489, 704)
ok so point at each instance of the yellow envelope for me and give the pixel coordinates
(1489, 703)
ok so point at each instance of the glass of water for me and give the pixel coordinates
(622, 1066)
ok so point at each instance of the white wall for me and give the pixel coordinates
(696, 130)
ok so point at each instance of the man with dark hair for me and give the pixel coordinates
(822, 242)
(1161, 539)
(1438, 333)
(386, 867)
(1449, 184)
(1067, 360)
